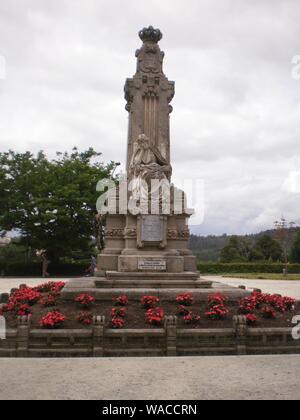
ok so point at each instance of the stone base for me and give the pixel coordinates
(153, 285)
(149, 280)
(201, 290)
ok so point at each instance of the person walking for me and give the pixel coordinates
(42, 254)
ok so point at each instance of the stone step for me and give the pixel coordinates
(152, 284)
(143, 276)
(106, 292)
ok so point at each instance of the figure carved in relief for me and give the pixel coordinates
(147, 164)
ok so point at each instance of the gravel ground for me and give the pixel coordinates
(282, 287)
(198, 378)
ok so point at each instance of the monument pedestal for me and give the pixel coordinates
(116, 279)
(135, 287)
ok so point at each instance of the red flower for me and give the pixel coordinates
(85, 300)
(25, 295)
(121, 300)
(289, 303)
(217, 299)
(185, 299)
(268, 312)
(257, 300)
(183, 311)
(24, 310)
(149, 302)
(217, 312)
(22, 296)
(192, 319)
(118, 313)
(85, 318)
(48, 301)
(251, 319)
(118, 323)
(155, 316)
(52, 320)
(217, 309)
(50, 287)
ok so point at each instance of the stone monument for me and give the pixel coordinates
(149, 248)
(146, 244)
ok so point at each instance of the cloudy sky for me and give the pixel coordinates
(236, 119)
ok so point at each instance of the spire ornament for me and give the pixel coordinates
(150, 35)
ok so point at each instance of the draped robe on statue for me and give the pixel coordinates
(147, 164)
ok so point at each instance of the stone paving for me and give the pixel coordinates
(284, 287)
(198, 378)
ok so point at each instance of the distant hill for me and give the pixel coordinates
(208, 248)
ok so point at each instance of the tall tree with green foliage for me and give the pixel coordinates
(51, 203)
(266, 248)
(295, 251)
(237, 250)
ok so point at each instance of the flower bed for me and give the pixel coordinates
(40, 324)
(214, 314)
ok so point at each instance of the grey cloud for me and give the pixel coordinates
(236, 110)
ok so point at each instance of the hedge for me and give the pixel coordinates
(222, 268)
(78, 268)
(35, 269)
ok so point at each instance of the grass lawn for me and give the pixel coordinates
(263, 276)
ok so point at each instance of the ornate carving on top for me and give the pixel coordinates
(150, 35)
(150, 59)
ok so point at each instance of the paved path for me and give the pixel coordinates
(284, 287)
(198, 378)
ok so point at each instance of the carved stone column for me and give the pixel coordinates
(148, 95)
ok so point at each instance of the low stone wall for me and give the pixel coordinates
(167, 341)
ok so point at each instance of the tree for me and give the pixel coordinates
(266, 248)
(235, 251)
(282, 235)
(295, 251)
(51, 203)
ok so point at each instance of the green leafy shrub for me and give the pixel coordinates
(221, 268)
(34, 269)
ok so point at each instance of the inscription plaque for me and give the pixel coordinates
(152, 229)
(152, 264)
